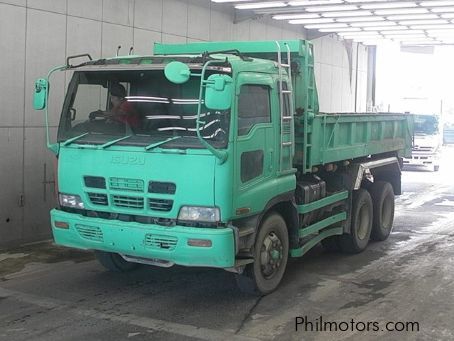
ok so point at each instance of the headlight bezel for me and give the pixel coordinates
(71, 200)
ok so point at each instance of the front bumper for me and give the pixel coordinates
(146, 241)
(422, 159)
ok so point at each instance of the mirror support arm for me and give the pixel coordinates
(52, 146)
(220, 154)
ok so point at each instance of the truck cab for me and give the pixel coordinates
(160, 188)
(428, 139)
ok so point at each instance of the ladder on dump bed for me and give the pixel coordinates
(287, 141)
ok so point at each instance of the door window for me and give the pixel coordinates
(253, 107)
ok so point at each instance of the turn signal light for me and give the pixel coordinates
(200, 242)
(61, 225)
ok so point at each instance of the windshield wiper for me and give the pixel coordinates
(156, 144)
(110, 143)
(72, 139)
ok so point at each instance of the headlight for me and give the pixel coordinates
(70, 200)
(202, 214)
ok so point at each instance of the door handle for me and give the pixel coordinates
(271, 160)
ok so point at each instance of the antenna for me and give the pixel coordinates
(118, 50)
(131, 49)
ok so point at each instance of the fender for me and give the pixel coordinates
(248, 226)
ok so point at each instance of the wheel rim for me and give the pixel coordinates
(363, 225)
(271, 254)
(387, 213)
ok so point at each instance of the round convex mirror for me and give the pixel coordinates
(177, 72)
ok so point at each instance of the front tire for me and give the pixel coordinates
(382, 194)
(114, 262)
(270, 258)
(361, 223)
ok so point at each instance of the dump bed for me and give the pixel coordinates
(320, 138)
(335, 137)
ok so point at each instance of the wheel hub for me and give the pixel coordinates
(270, 255)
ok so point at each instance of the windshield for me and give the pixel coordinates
(138, 108)
(425, 124)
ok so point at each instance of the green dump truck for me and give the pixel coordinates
(216, 155)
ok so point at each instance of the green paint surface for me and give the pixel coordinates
(135, 239)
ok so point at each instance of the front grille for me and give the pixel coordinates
(127, 201)
(98, 199)
(423, 149)
(160, 242)
(124, 184)
(161, 187)
(163, 205)
(92, 233)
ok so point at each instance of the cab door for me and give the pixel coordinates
(255, 146)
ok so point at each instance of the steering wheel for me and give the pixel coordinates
(96, 114)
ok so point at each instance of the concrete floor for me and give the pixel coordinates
(48, 293)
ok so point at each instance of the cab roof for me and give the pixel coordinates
(237, 63)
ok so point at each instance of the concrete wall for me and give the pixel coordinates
(36, 35)
(341, 75)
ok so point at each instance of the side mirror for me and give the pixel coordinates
(177, 72)
(40, 96)
(219, 91)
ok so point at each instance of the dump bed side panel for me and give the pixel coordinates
(336, 137)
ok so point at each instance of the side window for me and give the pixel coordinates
(253, 107)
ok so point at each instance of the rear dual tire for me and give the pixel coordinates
(382, 194)
(372, 217)
(361, 223)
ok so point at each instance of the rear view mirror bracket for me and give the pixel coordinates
(41, 100)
